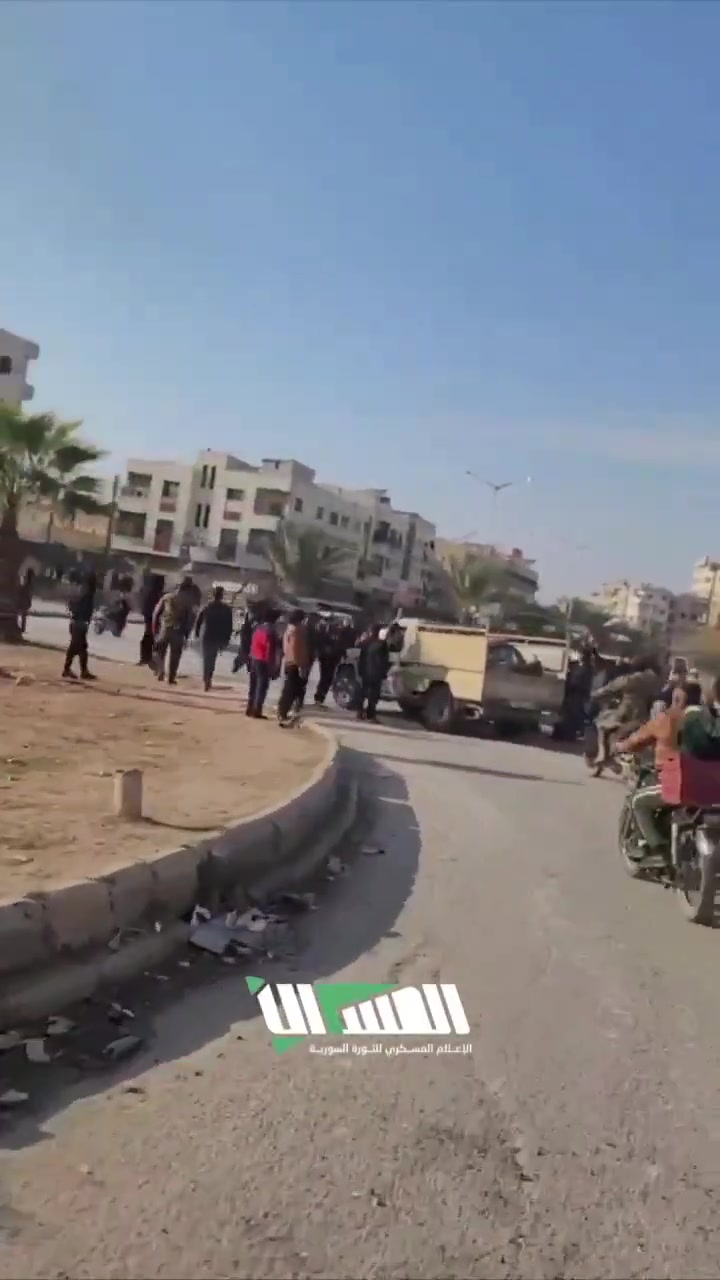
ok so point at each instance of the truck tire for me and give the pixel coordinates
(410, 708)
(438, 710)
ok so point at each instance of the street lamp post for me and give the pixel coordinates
(495, 489)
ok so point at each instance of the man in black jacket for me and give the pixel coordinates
(81, 608)
(373, 666)
(215, 622)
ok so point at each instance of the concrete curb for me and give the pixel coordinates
(253, 856)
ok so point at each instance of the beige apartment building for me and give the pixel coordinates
(706, 587)
(520, 573)
(647, 607)
(15, 356)
(221, 511)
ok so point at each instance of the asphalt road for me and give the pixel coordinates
(581, 1138)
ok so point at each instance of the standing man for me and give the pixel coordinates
(173, 622)
(330, 650)
(242, 657)
(25, 598)
(296, 653)
(151, 597)
(215, 622)
(373, 666)
(263, 664)
(81, 608)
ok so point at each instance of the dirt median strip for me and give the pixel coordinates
(135, 882)
(204, 764)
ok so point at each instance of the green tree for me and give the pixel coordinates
(40, 457)
(475, 582)
(303, 561)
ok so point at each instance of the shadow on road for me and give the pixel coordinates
(181, 1009)
(483, 770)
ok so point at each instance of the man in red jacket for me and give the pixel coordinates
(263, 664)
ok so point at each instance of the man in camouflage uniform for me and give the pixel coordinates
(173, 623)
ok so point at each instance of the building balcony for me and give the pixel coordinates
(232, 516)
(168, 505)
(135, 492)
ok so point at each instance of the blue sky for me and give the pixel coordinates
(395, 241)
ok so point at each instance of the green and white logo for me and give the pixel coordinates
(295, 1011)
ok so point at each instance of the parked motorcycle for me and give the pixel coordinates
(688, 862)
(105, 619)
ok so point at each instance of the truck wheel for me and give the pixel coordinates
(410, 708)
(438, 712)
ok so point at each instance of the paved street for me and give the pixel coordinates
(580, 1139)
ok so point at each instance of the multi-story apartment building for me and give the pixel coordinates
(15, 355)
(223, 511)
(647, 607)
(520, 573)
(706, 587)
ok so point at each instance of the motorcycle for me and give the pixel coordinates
(105, 619)
(689, 860)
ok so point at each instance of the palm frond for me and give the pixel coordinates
(303, 560)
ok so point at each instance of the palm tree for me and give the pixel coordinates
(475, 582)
(303, 561)
(40, 457)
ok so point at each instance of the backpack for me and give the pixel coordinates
(700, 734)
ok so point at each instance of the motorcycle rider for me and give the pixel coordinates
(664, 731)
(638, 688)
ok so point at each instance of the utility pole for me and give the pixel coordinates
(110, 528)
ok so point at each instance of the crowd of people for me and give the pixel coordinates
(637, 711)
(272, 644)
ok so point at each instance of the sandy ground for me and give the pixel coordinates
(204, 763)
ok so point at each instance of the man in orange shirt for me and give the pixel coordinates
(664, 731)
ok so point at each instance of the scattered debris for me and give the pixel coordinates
(183, 964)
(115, 941)
(158, 927)
(85, 1168)
(255, 920)
(160, 977)
(13, 1098)
(118, 1012)
(212, 935)
(199, 915)
(241, 932)
(378, 1199)
(8, 1040)
(134, 1088)
(372, 851)
(24, 678)
(335, 866)
(17, 859)
(123, 1047)
(59, 1026)
(35, 1050)
(228, 959)
(297, 902)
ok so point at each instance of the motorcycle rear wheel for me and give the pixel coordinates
(697, 882)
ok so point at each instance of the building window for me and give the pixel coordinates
(198, 515)
(213, 473)
(206, 517)
(170, 488)
(227, 546)
(235, 495)
(5, 364)
(298, 504)
(203, 478)
(344, 522)
(320, 513)
(333, 517)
